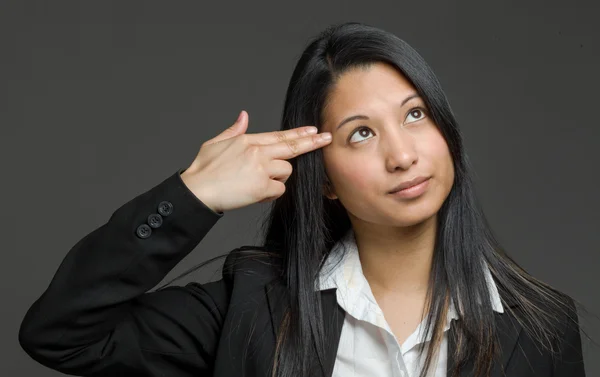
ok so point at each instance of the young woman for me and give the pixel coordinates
(377, 259)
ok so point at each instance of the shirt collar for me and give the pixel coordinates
(346, 275)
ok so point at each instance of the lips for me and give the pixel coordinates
(411, 183)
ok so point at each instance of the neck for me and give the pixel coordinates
(397, 260)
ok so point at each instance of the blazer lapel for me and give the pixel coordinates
(508, 332)
(278, 301)
(333, 316)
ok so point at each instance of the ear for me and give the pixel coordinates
(329, 191)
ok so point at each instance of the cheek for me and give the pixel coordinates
(353, 176)
(441, 159)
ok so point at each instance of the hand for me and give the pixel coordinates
(236, 169)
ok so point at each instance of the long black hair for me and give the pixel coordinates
(303, 225)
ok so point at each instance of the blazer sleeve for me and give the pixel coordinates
(97, 318)
(569, 359)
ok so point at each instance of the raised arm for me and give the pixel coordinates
(96, 319)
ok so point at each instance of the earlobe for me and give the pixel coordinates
(328, 191)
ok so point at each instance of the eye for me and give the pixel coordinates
(359, 131)
(416, 112)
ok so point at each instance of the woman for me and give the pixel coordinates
(377, 259)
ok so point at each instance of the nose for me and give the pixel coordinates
(399, 149)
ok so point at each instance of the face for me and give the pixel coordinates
(394, 141)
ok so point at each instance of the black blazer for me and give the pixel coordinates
(98, 318)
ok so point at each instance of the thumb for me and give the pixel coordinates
(239, 127)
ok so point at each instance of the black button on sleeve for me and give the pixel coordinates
(144, 231)
(155, 220)
(165, 208)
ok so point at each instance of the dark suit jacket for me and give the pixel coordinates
(98, 318)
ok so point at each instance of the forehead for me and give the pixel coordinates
(364, 88)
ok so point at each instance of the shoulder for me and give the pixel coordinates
(252, 265)
(568, 351)
(245, 272)
(539, 299)
(544, 319)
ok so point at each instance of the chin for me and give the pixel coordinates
(413, 215)
(412, 221)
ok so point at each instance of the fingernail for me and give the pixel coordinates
(311, 130)
(326, 136)
(239, 116)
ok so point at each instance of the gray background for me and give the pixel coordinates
(103, 100)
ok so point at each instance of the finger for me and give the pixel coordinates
(294, 147)
(279, 170)
(239, 127)
(273, 137)
(275, 190)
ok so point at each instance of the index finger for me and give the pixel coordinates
(273, 137)
(294, 147)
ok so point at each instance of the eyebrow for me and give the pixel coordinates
(364, 117)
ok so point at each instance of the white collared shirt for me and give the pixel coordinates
(367, 345)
